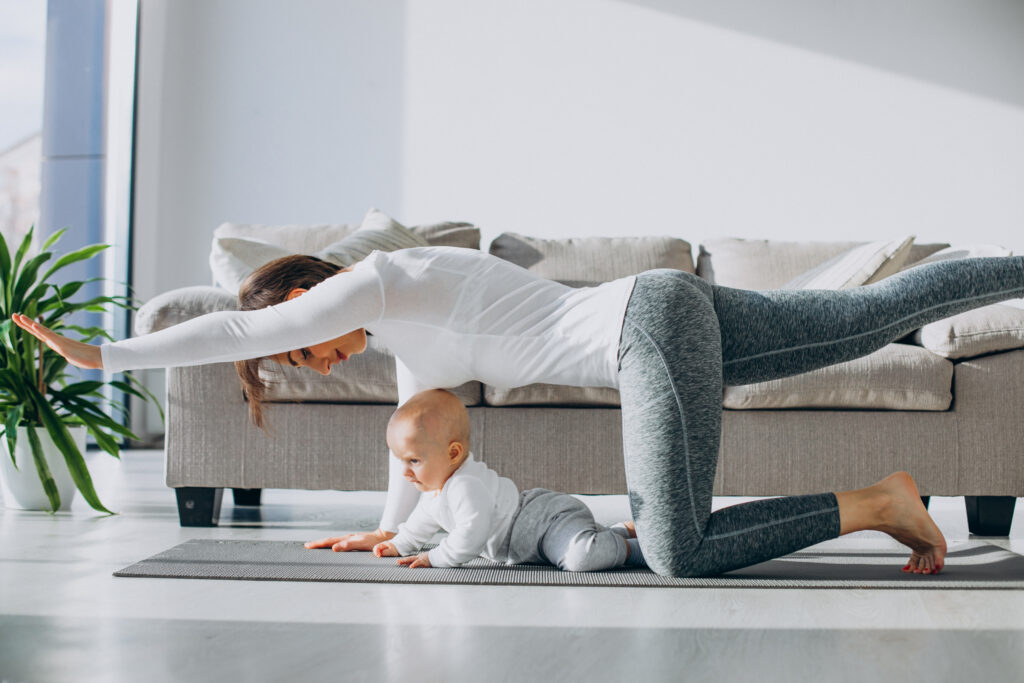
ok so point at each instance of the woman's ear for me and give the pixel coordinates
(298, 291)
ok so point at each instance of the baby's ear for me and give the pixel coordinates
(455, 450)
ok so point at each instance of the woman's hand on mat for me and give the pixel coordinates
(362, 541)
(385, 549)
(79, 354)
(413, 561)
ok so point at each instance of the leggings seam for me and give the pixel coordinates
(682, 422)
(869, 332)
(768, 524)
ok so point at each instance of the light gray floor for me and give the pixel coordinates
(63, 617)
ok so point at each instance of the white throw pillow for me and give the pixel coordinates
(232, 259)
(962, 251)
(861, 265)
(989, 329)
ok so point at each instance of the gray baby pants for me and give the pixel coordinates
(682, 338)
(555, 528)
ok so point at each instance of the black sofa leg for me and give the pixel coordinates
(989, 515)
(198, 506)
(247, 496)
(926, 500)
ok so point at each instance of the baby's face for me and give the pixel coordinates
(428, 463)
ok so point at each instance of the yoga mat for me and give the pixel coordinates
(972, 564)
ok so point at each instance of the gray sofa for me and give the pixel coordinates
(955, 423)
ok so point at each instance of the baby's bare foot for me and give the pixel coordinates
(905, 518)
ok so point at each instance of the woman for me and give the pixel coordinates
(666, 339)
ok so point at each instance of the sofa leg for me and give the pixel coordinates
(926, 500)
(198, 506)
(247, 496)
(989, 515)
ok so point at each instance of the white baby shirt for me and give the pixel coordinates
(475, 506)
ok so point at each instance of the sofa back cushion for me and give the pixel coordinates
(238, 249)
(308, 238)
(770, 264)
(588, 261)
(582, 262)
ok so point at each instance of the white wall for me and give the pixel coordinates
(260, 111)
(582, 117)
(612, 117)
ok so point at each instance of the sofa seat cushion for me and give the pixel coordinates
(551, 394)
(589, 261)
(368, 377)
(896, 377)
(770, 264)
(989, 329)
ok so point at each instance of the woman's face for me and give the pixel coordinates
(322, 357)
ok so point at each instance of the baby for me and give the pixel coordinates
(484, 514)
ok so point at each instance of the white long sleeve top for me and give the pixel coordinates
(449, 315)
(475, 506)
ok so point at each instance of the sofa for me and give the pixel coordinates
(945, 404)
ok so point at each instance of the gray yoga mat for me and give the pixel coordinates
(973, 564)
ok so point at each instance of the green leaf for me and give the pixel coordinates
(84, 409)
(22, 250)
(52, 239)
(80, 388)
(75, 462)
(138, 383)
(105, 441)
(45, 477)
(11, 430)
(26, 278)
(5, 264)
(83, 254)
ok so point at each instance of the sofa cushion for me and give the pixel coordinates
(999, 327)
(232, 259)
(854, 267)
(178, 305)
(368, 377)
(769, 264)
(551, 394)
(961, 251)
(896, 377)
(588, 261)
(308, 238)
(582, 262)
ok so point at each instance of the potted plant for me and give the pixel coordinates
(44, 410)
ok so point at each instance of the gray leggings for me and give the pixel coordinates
(682, 338)
(555, 528)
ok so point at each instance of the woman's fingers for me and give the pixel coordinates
(79, 354)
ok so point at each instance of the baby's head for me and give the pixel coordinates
(429, 433)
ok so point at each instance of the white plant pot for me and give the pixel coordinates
(21, 487)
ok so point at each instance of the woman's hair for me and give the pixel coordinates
(266, 286)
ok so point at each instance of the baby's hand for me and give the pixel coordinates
(413, 561)
(385, 549)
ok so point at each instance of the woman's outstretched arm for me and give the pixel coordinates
(338, 305)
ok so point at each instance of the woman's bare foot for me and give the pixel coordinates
(631, 528)
(896, 508)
